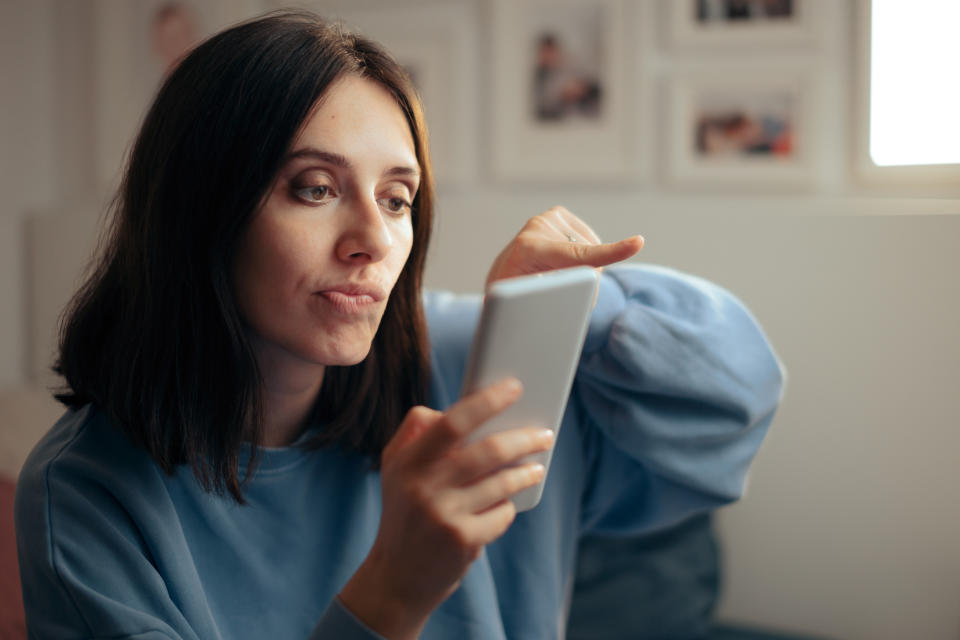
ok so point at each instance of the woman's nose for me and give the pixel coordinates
(365, 236)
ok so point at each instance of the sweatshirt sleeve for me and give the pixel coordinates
(676, 388)
(85, 569)
(338, 623)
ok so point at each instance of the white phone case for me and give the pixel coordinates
(532, 328)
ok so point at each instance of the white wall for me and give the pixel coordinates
(27, 168)
(46, 173)
(851, 527)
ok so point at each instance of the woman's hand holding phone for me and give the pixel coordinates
(443, 501)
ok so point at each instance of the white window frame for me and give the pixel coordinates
(924, 180)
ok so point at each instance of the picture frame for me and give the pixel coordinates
(565, 106)
(434, 43)
(135, 43)
(741, 128)
(737, 23)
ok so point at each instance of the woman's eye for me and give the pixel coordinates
(313, 194)
(395, 205)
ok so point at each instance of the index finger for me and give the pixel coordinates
(463, 417)
(571, 254)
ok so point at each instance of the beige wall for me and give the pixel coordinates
(851, 527)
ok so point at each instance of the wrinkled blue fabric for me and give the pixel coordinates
(674, 392)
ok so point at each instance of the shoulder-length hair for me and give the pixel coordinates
(154, 337)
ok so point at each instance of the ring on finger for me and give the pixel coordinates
(571, 237)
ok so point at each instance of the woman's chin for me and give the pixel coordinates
(346, 357)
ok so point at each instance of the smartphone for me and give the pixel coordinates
(532, 328)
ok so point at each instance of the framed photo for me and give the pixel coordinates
(740, 22)
(742, 129)
(434, 44)
(561, 91)
(137, 45)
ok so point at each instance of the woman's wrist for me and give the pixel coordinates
(368, 596)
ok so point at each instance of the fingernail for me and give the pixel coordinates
(537, 470)
(545, 437)
(513, 385)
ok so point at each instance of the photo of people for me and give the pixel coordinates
(757, 125)
(713, 11)
(174, 31)
(567, 61)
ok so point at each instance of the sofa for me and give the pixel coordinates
(12, 625)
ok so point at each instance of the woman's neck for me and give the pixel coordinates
(285, 412)
(289, 390)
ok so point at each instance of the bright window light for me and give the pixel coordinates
(915, 82)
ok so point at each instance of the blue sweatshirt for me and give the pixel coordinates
(674, 392)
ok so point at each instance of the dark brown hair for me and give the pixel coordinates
(154, 338)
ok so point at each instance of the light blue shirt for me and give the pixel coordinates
(674, 392)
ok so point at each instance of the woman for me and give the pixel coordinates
(249, 451)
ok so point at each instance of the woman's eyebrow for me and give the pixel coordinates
(317, 154)
(340, 161)
(413, 172)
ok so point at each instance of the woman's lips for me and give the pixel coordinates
(352, 299)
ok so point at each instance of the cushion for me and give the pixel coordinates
(662, 586)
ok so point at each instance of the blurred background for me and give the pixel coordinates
(732, 135)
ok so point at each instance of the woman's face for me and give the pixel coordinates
(318, 261)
